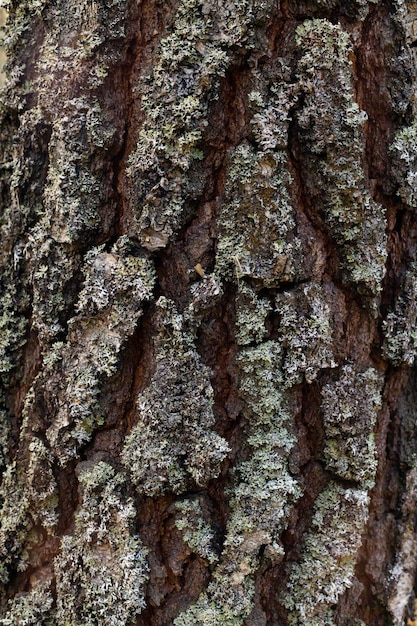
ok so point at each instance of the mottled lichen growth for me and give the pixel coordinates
(33, 608)
(176, 98)
(196, 531)
(404, 151)
(350, 406)
(400, 325)
(331, 129)
(173, 446)
(328, 556)
(108, 309)
(256, 224)
(102, 569)
(14, 517)
(404, 570)
(261, 498)
(68, 133)
(29, 499)
(251, 314)
(308, 329)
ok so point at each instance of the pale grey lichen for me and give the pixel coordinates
(31, 608)
(102, 569)
(108, 309)
(14, 520)
(29, 500)
(329, 551)
(197, 533)
(350, 406)
(404, 169)
(53, 267)
(222, 603)
(176, 97)
(261, 498)
(12, 332)
(251, 314)
(403, 573)
(331, 127)
(256, 224)
(400, 325)
(309, 326)
(173, 446)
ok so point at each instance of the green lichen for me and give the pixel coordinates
(350, 406)
(196, 531)
(256, 224)
(176, 98)
(328, 556)
(308, 329)
(173, 446)
(251, 314)
(32, 608)
(261, 498)
(102, 569)
(108, 309)
(400, 325)
(331, 129)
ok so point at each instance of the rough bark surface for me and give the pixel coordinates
(208, 313)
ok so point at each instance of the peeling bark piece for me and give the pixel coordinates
(257, 224)
(310, 328)
(400, 325)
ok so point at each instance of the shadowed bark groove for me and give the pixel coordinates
(208, 313)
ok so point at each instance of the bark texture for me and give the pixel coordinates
(208, 313)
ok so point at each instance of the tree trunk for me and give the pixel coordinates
(208, 313)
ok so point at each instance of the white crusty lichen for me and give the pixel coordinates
(263, 494)
(173, 445)
(329, 551)
(102, 569)
(176, 99)
(331, 129)
(350, 406)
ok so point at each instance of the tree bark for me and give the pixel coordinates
(208, 313)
